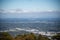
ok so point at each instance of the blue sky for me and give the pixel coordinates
(32, 5)
(41, 5)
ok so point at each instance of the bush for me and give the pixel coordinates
(31, 36)
(5, 36)
(41, 37)
(56, 37)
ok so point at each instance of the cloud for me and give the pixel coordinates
(36, 31)
(21, 11)
(50, 10)
(28, 30)
(22, 29)
(13, 11)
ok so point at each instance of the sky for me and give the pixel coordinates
(39, 5)
(23, 6)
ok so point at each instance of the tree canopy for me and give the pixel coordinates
(29, 36)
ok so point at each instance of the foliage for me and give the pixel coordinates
(5, 36)
(26, 37)
(56, 37)
(41, 37)
(30, 36)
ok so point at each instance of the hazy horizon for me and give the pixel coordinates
(29, 9)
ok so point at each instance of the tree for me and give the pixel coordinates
(56, 37)
(30, 36)
(5, 36)
(41, 37)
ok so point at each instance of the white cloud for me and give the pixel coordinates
(13, 11)
(49, 10)
(30, 30)
(22, 11)
(22, 29)
(19, 29)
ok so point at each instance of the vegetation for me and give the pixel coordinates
(5, 36)
(40, 37)
(31, 36)
(56, 37)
